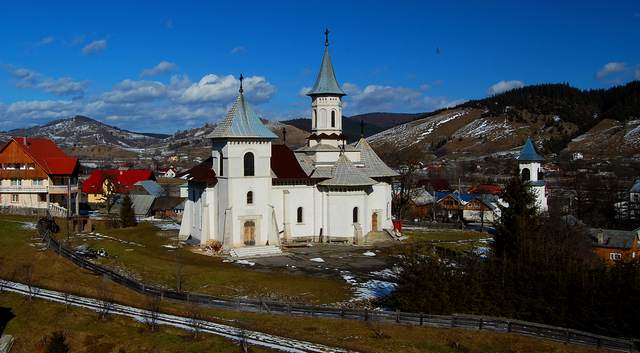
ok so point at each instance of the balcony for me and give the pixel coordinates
(37, 189)
(23, 189)
(62, 189)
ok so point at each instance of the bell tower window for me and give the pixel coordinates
(333, 118)
(249, 164)
(250, 198)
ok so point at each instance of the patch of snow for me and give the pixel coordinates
(245, 262)
(369, 253)
(168, 226)
(373, 289)
(169, 246)
(317, 259)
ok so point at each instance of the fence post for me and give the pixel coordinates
(508, 326)
(397, 316)
(366, 315)
(421, 318)
(566, 334)
(341, 313)
(453, 321)
(480, 324)
(289, 309)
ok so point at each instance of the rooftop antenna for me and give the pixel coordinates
(241, 79)
(326, 37)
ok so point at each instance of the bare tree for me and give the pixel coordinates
(106, 300)
(243, 341)
(25, 275)
(196, 317)
(153, 306)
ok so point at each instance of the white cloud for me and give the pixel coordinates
(379, 98)
(45, 41)
(130, 91)
(95, 47)
(503, 86)
(610, 68)
(303, 91)
(143, 104)
(62, 86)
(238, 50)
(213, 88)
(168, 23)
(161, 68)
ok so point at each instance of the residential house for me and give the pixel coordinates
(123, 181)
(35, 174)
(614, 245)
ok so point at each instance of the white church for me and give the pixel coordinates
(253, 193)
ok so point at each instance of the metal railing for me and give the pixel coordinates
(17, 189)
(472, 322)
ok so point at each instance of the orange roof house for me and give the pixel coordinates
(36, 173)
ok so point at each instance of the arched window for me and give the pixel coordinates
(249, 169)
(333, 118)
(355, 215)
(314, 123)
(250, 198)
(540, 175)
(299, 215)
(526, 174)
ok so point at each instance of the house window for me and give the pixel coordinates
(249, 167)
(42, 197)
(16, 182)
(355, 215)
(15, 198)
(333, 118)
(250, 198)
(615, 256)
(526, 174)
(38, 182)
(299, 215)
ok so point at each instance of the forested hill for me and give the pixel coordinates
(599, 123)
(585, 108)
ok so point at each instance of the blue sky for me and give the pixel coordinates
(164, 66)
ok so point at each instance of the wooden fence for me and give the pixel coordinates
(472, 322)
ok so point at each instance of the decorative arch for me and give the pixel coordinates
(249, 164)
(314, 122)
(333, 118)
(526, 174)
(354, 216)
(250, 198)
(299, 215)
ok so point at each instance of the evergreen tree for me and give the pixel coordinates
(127, 214)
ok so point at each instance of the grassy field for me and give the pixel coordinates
(451, 239)
(86, 332)
(139, 252)
(56, 273)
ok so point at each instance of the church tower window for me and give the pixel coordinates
(250, 198)
(299, 215)
(355, 215)
(526, 174)
(249, 164)
(333, 118)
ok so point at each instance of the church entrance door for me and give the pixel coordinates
(374, 222)
(249, 233)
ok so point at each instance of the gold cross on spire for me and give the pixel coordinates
(326, 37)
(241, 79)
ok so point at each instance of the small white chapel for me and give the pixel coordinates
(252, 192)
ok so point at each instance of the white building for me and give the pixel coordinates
(254, 193)
(530, 165)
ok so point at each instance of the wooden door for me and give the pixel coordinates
(249, 233)
(374, 222)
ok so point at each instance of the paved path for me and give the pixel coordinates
(233, 333)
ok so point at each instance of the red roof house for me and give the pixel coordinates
(123, 179)
(485, 189)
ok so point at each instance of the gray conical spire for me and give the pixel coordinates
(326, 83)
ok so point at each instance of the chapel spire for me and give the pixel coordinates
(326, 82)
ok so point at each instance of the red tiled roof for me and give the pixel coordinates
(284, 163)
(490, 189)
(124, 179)
(202, 173)
(47, 155)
